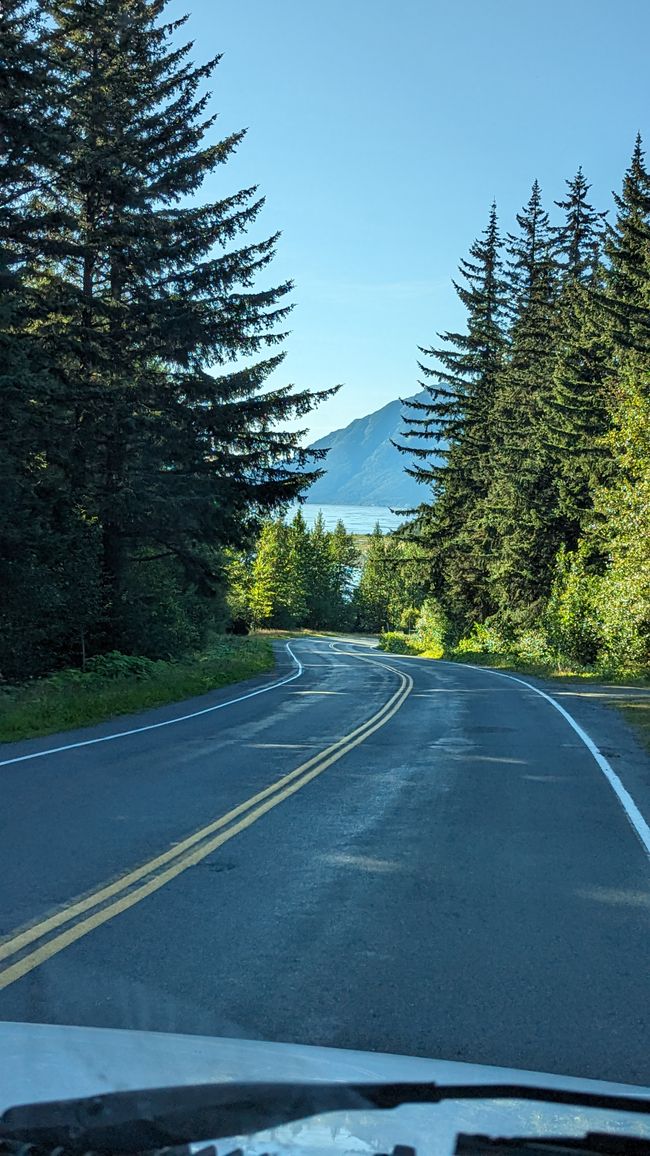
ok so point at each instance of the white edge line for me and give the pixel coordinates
(623, 795)
(632, 812)
(167, 723)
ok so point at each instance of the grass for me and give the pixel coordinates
(548, 670)
(634, 706)
(70, 699)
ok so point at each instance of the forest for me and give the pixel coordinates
(141, 436)
(536, 525)
(532, 539)
(148, 458)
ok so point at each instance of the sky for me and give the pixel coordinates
(380, 131)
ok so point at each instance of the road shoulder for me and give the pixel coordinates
(285, 666)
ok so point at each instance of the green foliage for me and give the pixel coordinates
(115, 684)
(432, 628)
(484, 638)
(393, 580)
(342, 562)
(521, 498)
(571, 620)
(621, 531)
(537, 530)
(295, 577)
(430, 633)
(408, 618)
(141, 438)
(462, 382)
(277, 593)
(395, 642)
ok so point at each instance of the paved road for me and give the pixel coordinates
(455, 879)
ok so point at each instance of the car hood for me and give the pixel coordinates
(46, 1062)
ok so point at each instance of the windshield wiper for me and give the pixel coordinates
(591, 1144)
(130, 1122)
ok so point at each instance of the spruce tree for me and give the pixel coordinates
(578, 412)
(320, 593)
(344, 563)
(522, 498)
(579, 239)
(394, 578)
(265, 595)
(44, 547)
(298, 569)
(372, 595)
(626, 298)
(459, 420)
(165, 344)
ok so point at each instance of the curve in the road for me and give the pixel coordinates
(125, 892)
(164, 723)
(632, 812)
(624, 797)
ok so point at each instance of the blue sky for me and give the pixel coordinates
(380, 131)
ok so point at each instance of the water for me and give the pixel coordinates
(356, 519)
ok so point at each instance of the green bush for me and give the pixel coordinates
(408, 618)
(484, 638)
(394, 642)
(533, 646)
(572, 620)
(623, 608)
(431, 629)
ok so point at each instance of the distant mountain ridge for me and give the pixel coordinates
(363, 467)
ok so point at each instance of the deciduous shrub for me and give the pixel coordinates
(395, 642)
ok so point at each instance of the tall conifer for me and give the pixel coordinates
(459, 420)
(42, 555)
(522, 494)
(162, 336)
(578, 412)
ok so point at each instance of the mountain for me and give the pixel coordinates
(363, 468)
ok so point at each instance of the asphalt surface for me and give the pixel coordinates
(459, 881)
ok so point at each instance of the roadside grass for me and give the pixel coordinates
(633, 703)
(631, 679)
(117, 684)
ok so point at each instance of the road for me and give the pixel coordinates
(382, 854)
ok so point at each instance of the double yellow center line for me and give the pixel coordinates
(32, 946)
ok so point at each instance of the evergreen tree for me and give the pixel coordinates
(344, 564)
(579, 239)
(394, 579)
(372, 596)
(627, 293)
(266, 593)
(298, 569)
(280, 573)
(620, 532)
(459, 420)
(45, 548)
(578, 412)
(522, 495)
(320, 592)
(155, 323)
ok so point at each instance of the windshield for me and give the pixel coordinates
(324, 707)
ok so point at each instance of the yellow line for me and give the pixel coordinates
(182, 853)
(18, 942)
(23, 939)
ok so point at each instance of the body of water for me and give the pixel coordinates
(356, 519)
